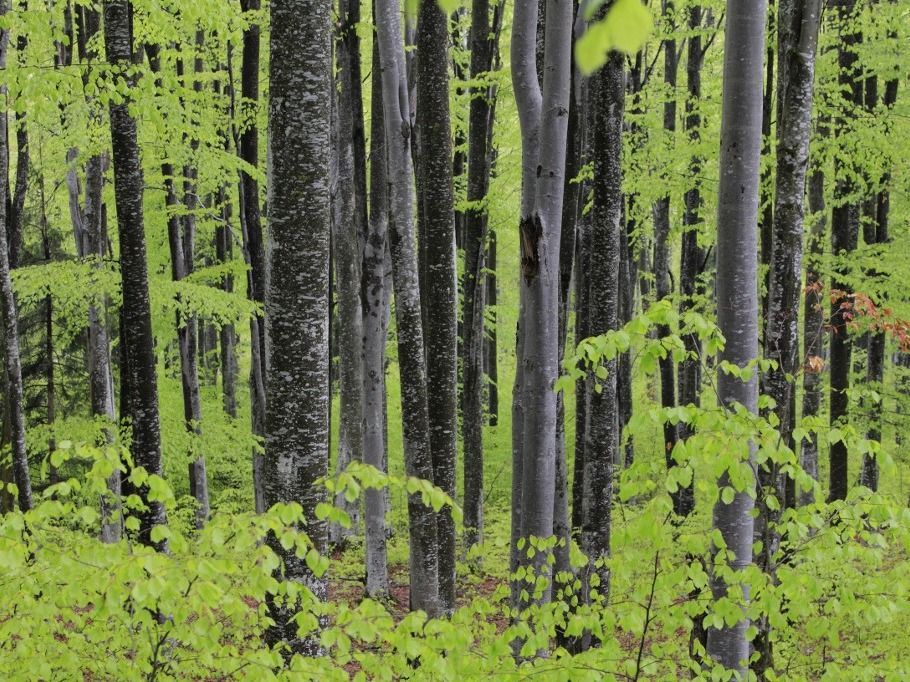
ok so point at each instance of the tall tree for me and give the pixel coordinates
(797, 37)
(543, 118)
(473, 290)
(442, 293)
(13, 365)
(297, 303)
(251, 225)
(137, 339)
(424, 561)
(737, 283)
(844, 236)
(347, 236)
(602, 430)
(375, 317)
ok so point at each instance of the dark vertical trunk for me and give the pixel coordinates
(797, 26)
(14, 398)
(297, 304)
(875, 364)
(766, 201)
(473, 290)
(424, 567)
(691, 254)
(602, 433)
(137, 339)
(442, 293)
(737, 289)
(347, 238)
(224, 247)
(253, 244)
(844, 236)
(813, 324)
(662, 284)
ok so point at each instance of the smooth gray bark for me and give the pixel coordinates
(12, 363)
(543, 117)
(297, 303)
(375, 314)
(737, 280)
(424, 561)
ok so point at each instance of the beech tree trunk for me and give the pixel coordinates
(297, 303)
(375, 315)
(602, 431)
(737, 282)
(691, 254)
(253, 244)
(424, 560)
(136, 339)
(347, 237)
(844, 236)
(543, 117)
(442, 293)
(14, 400)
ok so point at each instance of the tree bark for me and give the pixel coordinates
(844, 236)
(137, 339)
(543, 117)
(442, 293)
(737, 282)
(297, 304)
(424, 561)
(251, 226)
(347, 237)
(15, 404)
(375, 313)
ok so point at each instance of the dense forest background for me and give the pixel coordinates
(457, 340)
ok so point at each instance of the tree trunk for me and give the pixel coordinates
(16, 407)
(297, 304)
(544, 121)
(375, 312)
(844, 236)
(348, 233)
(737, 283)
(137, 339)
(473, 289)
(442, 293)
(602, 433)
(797, 25)
(424, 566)
(662, 284)
(253, 244)
(691, 254)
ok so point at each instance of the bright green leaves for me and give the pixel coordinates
(624, 29)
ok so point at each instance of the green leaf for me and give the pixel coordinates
(625, 29)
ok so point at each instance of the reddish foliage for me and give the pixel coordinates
(860, 311)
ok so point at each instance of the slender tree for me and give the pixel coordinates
(136, 339)
(737, 283)
(347, 237)
(15, 404)
(424, 563)
(543, 117)
(844, 236)
(375, 316)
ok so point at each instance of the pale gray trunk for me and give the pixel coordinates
(737, 281)
(13, 365)
(543, 116)
(375, 317)
(424, 561)
(297, 303)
